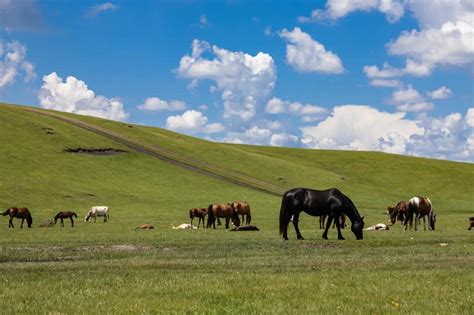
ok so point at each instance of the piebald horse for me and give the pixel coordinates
(21, 213)
(331, 202)
(242, 208)
(420, 207)
(222, 211)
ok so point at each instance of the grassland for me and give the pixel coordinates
(98, 268)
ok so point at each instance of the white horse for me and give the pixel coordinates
(98, 211)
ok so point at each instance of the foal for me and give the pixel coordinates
(64, 215)
(198, 213)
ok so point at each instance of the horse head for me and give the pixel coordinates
(392, 214)
(432, 220)
(88, 216)
(234, 216)
(357, 228)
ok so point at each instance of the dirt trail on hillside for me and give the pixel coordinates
(165, 155)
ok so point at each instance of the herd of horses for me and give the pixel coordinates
(330, 204)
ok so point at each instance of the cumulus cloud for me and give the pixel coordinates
(450, 137)
(192, 122)
(308, 55)
(262, 136)
(157, 104)
(387, 75)
(410, 100)
(23, 15)
(335, 9)
(73, 96)
(308, 112)
(13, 63)
(359, 127)
(243, 80)
(445, 37)
(99, 8)
(441, 93)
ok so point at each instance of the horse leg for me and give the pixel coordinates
(328, 225)
(72, 222)
(296, 218)
(227, 220)
(62, 222)
(22, 220)
(338, 225)
(424, 223)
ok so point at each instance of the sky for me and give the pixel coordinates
(376, 75)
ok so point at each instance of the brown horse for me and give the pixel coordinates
(242, 208)
(420, 207)
(198, 213)
(399, 212)
(342, 221)
(64, 215)
(471, 223)
(20, 213)
(222, 211)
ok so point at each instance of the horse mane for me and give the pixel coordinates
(29, 218)
(353, 208)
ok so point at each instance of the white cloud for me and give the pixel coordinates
(335, 9)
(441, 93)
(74, 96)
(308, 112)
(261, 136)
(357, 127)
(410, 100)
(13, 63)
(99, 8)
(446, 36)
(203, 21)
(308, 55)
(450, 137)
(385, 77)
(23, 15)
(192, 122)
(157, 104)
(242, 79)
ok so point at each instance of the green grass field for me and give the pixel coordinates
(110, 267)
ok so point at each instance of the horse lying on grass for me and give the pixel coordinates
(20, 213)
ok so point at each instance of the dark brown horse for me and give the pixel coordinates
(198, 213)
(64, 215)
(221, 211)
(420, 207)
(399, 212)
(342, 221)
(331, 202)
(20, 213)
(242, 208)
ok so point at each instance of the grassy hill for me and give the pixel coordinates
(210, 271)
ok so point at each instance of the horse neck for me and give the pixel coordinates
(351, 211)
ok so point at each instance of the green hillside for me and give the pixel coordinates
(69, 270)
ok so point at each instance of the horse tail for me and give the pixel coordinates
(283, 214)
(6, 212)
(74, 214)
(210, 216)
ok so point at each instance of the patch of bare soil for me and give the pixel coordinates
(95, 151)
(116, 248)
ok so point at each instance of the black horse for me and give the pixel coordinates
(329, 202)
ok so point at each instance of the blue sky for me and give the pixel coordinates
(384, 75)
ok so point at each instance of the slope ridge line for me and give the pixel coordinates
(165, 155)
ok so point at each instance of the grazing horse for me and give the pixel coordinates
(399, 212)
(222, 211)
(243, 209)
(329, 202)
(342, 221)
(98, 211)
(64, 215)
(198, 213)
(20, 213)
(420, 207)
(471, 223)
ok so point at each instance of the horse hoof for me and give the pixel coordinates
(285, 238)
(301, 238)
(325, 238)
(341, 238)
